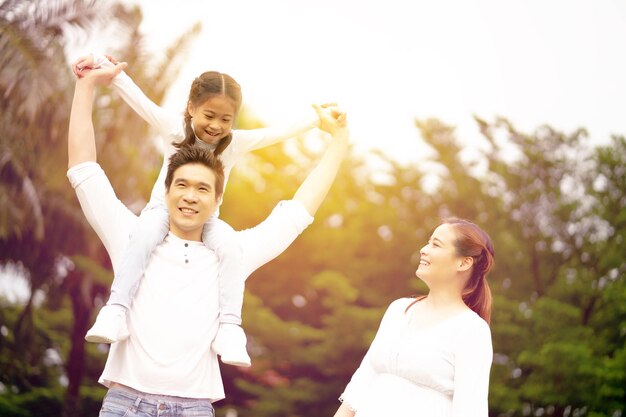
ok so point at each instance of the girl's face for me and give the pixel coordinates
(213, 120)
(438, 258)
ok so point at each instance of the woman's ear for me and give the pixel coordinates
(465, 264)
(189, 107)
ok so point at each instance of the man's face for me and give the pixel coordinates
(191, 200)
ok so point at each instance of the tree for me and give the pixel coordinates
(553, 203)
(43, 230)
(32, 36)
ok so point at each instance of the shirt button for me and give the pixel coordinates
(186, 261)
(186, 244)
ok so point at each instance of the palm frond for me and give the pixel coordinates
(26, 72)
(57, 17)
(20, 194)
(8, 8)
(31, 45)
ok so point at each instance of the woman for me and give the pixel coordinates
(432, 355)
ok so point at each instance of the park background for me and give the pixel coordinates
(510, 114)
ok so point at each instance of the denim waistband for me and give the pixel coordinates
(156, 397)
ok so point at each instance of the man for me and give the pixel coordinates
(167, 365)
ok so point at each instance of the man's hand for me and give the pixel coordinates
(87, 62)
(103, 75)
(331, 117)
(83, 63)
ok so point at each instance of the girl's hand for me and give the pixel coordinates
(333, 120)
(102, 75)
(330, 116)
(113, 60)
(86, 63)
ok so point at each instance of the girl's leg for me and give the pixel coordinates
(110, 325)
(152, 228)
(230, 342)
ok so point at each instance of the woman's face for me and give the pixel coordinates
(213, 119)
(438, 258)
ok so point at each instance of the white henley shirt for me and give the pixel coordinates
(174, 315)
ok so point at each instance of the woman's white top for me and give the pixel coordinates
(438, 371)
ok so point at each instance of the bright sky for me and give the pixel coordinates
(561, 62)
(389, 61)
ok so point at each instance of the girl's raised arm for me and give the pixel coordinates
(253, 139)
(166, 123)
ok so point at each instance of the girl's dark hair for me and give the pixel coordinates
(196, 155)
(207, 85)
(474, 242)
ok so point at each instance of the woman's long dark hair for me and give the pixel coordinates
(207, 85)
(472, 241)
(475, 242)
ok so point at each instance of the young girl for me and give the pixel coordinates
(214, 101)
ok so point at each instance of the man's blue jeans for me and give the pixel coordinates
(123, 402)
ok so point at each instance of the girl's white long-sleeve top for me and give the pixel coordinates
(170, 128)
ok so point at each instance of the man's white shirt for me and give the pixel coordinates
(174, 315)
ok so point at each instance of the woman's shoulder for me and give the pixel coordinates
(400, 305)
(471, 322)
(395, 310)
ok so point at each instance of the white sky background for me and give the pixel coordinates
(389, 61)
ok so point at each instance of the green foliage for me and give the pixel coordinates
(554, 204)
(38, 402)
(43, 354)
(48, 402)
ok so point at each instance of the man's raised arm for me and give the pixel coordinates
(271, 237)
(106, 214)
(313, 190)
(81, 143)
